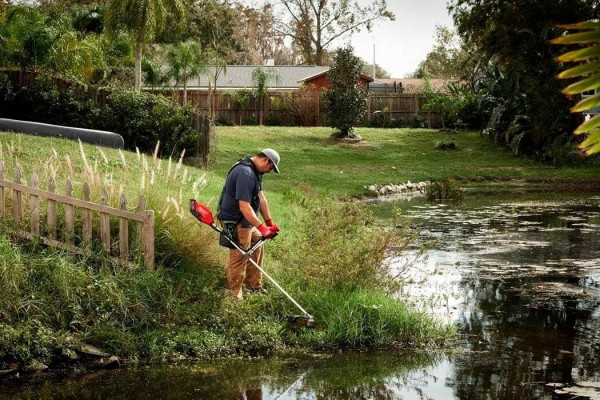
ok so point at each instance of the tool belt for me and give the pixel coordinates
(229, 234)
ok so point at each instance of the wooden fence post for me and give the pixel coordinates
(86, 216)
(34, 206)
(123, 231)
(17, 197)
(105, 222)
(2, 189)
(147, 234)
(69, 218)
(51, 210)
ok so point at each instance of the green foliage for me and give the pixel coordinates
(588, 75)
(143, 20)
(353, 257)
(367, 318)
(43, 102)
(444, 190)
(185, 61)
(141, 118)
(260, 79)
(346, 97)
(515, 39)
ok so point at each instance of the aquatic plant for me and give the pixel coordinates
(444, 190)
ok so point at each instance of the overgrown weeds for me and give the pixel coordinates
(331, 259)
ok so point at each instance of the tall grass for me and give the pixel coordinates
(330, 256)
(369, 318)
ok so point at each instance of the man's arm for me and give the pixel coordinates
(249, 213)
(264, 206)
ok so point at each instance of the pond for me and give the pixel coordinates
(521, 279)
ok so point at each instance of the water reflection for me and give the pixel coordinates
(521, 280)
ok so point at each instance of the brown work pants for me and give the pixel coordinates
(238, 264)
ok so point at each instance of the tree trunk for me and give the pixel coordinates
(261, 110)
(137, 83)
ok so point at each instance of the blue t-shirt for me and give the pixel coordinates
(243, 183)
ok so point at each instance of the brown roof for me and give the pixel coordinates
(310, 78)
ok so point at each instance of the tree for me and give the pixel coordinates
(346, 98)
(314, 24)
(185, 62)
(514, 37)
(143, 19)
(27, 36)
(260, 78)
(588, 73)
(380, 72)
(447, 57)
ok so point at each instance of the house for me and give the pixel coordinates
(587, 95)
(281, 77)
(320, 82)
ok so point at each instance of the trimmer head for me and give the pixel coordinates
(303, 321)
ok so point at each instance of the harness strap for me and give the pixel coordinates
(243, 161)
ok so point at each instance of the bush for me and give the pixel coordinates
(418, 121)
(250, 120)
(273, 120)
(141, 118)
(222, 120)
(444, 190)
(43, 102)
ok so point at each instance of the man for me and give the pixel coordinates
(241, 200)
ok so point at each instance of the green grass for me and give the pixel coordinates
(328, 256)
(310, 156)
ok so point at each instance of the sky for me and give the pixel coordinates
(402, 44)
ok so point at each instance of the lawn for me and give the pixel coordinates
(310, 156)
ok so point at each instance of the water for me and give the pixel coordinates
(520, 279)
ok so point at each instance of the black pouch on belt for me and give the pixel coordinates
(229, 229)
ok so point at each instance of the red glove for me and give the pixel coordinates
(266, 232)
(272, 225)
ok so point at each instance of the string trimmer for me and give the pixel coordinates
(204, 215)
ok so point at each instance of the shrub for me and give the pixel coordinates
(444, 190)
(222, 120)
(143, 119)
(250, 120)
(346, 98)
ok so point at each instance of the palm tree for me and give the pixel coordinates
(588, 73)
(143, 19)
(185, 62)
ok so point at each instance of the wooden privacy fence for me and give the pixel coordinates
(304, 109)
(67, 237)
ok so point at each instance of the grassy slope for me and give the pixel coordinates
(185, 296)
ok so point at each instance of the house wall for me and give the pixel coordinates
(322, 83)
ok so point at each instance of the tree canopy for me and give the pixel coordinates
(513, 36)
(313, 25)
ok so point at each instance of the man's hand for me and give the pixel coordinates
(272, 225)
(266, 231)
